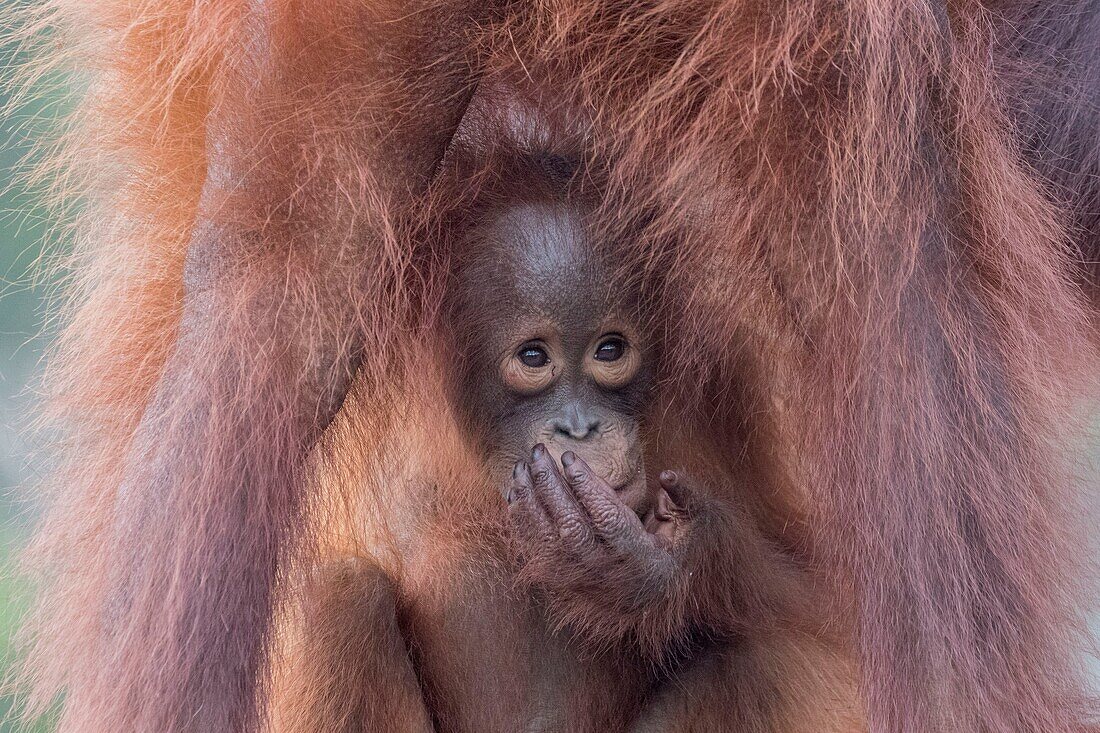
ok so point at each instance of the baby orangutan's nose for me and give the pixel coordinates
(575, 423)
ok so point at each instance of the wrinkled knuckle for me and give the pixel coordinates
(611, 519)
(572, 531)
(637, 540)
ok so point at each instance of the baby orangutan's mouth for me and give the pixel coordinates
(633, 491)
(618, 477)
(624, 474)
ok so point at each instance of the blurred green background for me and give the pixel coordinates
(24, 235)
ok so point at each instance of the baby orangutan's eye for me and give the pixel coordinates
(610, 349)
(528, 370)
(534, 357)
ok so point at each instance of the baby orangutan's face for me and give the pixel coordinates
(556, 357)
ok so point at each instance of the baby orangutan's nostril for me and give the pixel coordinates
(576, 429)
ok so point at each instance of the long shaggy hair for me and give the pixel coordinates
(863, 260)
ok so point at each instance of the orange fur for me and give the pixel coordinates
(868, 295)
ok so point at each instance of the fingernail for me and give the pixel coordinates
(517, 470)
(567, 458)
(669, 478)
(539, 451)
(511, 496)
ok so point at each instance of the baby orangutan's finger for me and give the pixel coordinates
(528, 518)
(612, 519)
(570, 521)
(673, 483)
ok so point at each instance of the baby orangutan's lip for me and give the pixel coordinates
(620, 483)
(633, 492)
(625, 484)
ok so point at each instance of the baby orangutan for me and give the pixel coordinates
(563, 363)
(618, 599)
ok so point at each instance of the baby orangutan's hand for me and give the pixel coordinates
(574, 536)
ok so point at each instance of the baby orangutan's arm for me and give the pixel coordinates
(693, 565)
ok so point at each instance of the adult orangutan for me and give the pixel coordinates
(775, 305)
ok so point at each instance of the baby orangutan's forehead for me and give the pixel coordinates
(545, 240)
(546, 263)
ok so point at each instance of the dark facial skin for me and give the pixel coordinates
(556, 356)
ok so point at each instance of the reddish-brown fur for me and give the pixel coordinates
(865, 218)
